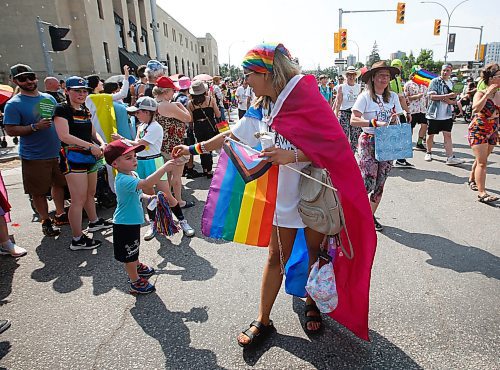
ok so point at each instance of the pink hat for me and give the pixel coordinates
(184, 83)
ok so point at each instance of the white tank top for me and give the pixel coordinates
(349, 95)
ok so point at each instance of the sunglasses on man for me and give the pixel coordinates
(24, 78)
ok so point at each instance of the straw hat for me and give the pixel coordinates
(351, 70)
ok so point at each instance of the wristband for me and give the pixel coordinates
(296, 153)
(373, 123)
(195, 149)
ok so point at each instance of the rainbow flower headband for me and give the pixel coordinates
(261, 58)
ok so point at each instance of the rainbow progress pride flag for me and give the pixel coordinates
(236, 209)
(423, 77)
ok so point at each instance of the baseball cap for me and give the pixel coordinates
(165, 83)
(396, 63)
(20, 69)
(118, 148)
(144, 102)
(75, 82)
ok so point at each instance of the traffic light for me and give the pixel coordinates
(56, 37)
(437, 27)
(336, 43)
(480, 53)
(400, 18)
(343, 39)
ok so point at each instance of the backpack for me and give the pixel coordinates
(104, 196)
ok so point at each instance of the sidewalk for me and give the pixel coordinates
(9, 153)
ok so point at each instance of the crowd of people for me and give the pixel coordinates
(161, 124)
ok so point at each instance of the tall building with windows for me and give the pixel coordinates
(492, 53)
(105, 34)
(398, 55)
(351, 60)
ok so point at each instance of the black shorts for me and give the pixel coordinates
(418, 118)
(241, 113)
(436, 126)
(126, 240)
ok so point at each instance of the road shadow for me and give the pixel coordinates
(8, 267)
(5, 348)
(65, 268)
(171, 332)
(335, 348)
(194, 267)
(419, 175)
(447, 254)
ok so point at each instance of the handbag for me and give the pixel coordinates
(319, 205)
(80, 156)
(393, 142)
(321, 285)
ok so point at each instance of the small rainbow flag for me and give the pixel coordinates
(237, 210)
(423, 77)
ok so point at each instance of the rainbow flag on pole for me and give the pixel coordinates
(423, 77)
(241, 209)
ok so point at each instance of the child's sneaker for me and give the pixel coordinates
(142, 286)
(100, 224)
(144, 270)
(151, 232)
(188, 230)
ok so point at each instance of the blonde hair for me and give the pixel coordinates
(284, 70)
(157, 91)
(370, 86)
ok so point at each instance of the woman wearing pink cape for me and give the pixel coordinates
(306, 131)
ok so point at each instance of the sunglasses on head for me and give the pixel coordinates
(23, 78)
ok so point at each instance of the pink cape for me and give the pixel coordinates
(4, 199)
(304, 117)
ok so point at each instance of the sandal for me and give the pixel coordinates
(255, 338)
(487, 198)
(472, 185)
(317, 318)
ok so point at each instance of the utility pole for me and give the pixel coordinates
(473, 28)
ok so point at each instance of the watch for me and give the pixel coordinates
(33, 127)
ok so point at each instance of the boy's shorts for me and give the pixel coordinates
(146, 167)
(126, 240)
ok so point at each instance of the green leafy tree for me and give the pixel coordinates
(224, 71)
(359, 65)
(426, 60)
(374, 56)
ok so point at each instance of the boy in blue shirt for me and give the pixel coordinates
(129, 215)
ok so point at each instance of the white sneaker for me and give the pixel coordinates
(188, 230)
(428, 157)
(151, 233)
(454, 161)
(12, 250)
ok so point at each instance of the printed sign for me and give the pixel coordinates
(46, 108)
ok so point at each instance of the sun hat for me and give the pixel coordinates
(144, 103)
(19, 70)
(378, 66)
(154, 65)
(352, 70)
(166, 83)
(183, 83)
(197, 88)
(75, 82)
(117, 148)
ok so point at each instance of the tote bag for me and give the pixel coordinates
(393, 142)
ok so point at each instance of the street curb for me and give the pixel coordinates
(8, 158)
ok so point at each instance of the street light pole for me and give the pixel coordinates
(449, 19)
(355, 43)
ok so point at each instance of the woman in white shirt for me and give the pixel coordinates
(376, 106)
(346, 96)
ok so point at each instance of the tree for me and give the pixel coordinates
(374, 56)
(426, 61)
(224, 71)
(408, 62)
(359, 65)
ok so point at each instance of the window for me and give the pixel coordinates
(196, 49)
(119, 30)
(189, 68)
(202, 49)
(106, 56)
(165, 29)
(144, 38)
(183, 68)
(187, 44)
(174, 36)
(133, 34)
(168, 64)
(99, 9)
(180, 38)
(202, 61)
(176, 65)
(197, 70)
(191, 46)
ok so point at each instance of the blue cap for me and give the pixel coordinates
(154, 65)
(76, 82)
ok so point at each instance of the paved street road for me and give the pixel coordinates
(435, 292)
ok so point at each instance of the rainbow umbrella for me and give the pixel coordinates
(5, 93)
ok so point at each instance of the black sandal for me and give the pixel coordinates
(308, 308)
(487, 198)
(472, 185)
(255, 338)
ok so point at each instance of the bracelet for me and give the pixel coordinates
(373, 123)
(195, 149)
(296, 153)
(202, 147)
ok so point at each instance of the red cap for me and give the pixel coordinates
(118, 148)
(165, 83)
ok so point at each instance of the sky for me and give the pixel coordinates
(306, 28)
